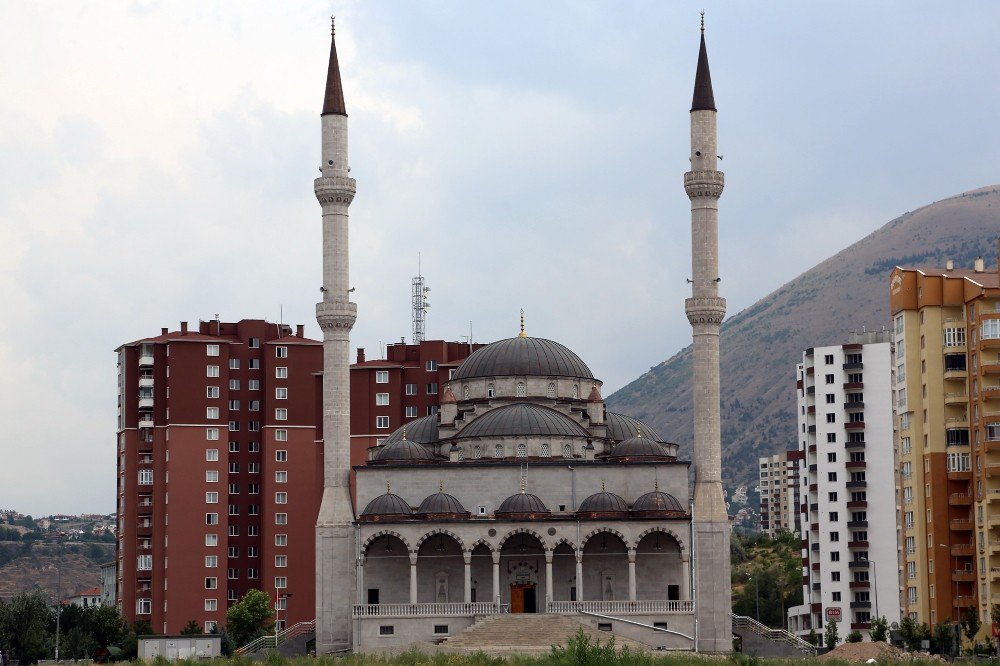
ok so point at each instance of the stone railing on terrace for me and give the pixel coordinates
(620, 607)
(432, 609)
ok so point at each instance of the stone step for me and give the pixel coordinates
(526, 633)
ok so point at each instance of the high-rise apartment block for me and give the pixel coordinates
(947, 327)
(846, 433)
(219, 472)
(779, 492)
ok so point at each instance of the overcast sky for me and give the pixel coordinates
(157, 158)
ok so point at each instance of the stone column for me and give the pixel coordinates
(631, 574)
(413, 578)
(467, 555)
(579, 575)
(362, 597)
(686, 577)
(496, 579)
(548, 578)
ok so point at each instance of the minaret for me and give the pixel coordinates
(335, 547)
(705, 310)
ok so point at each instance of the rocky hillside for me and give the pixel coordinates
(56, 569)
(762, 344)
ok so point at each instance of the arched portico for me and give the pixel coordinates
(605, 567)
(663, 567)
(439, 567)
(522, 564)
(385, 562)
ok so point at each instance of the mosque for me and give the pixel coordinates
(523, 494)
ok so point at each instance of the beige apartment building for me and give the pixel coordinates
(779, 492)
(947, 330)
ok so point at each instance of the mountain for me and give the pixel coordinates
(761, 345)
(55, 568)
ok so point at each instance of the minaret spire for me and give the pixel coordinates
(333, 100)
(705, 311)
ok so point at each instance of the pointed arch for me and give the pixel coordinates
(603, 530)
(522, 530)
(381, 533)
(662, 530)
(434, 532)
(481, 542)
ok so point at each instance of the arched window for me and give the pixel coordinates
(477, 452)
(522, 450)
(576, 390)
(550, 391)
(544, 451)
(498, 451)
(491, 390)
(567, 451)
(465, 392)
(520, 390)
(461, 454)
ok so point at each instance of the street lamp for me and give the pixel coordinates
(756, 587)
(58, 600)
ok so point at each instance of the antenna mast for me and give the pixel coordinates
(418, 299)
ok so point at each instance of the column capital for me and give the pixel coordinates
(496, 556)
(631, 555)
(548, 555)
(467, 556)
(413, 558)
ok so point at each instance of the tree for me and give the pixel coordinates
(191, 628)
(854, 637)
(813, 637)
(971, 623)
(879, 632)
(250, 617)
(24, 626)
(107, 626)
(831, 637)
(944, 637)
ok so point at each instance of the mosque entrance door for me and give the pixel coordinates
(523, 599)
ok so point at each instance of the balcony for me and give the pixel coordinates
(991, 392)
(146, 381)
(811, 390)
(146, 402)
(960, 499)
(994, 573)
(814, 546)
(814, 506)
(854, 444)
(990, 368)
(854, 425)
(854, 366)
(857, 404)
(814, 527)
(850, 386)
(145, 507)
(812, 429)
(963, 576)
(957, 375)
(955, 398)
(811, 409)
(964, 602)
(992, 469)
(860, 504)
(993, 495)
(861, 626)
(857, 524)
(146, 360)
(859, 564)
(856, 484)
(861, 604)
(960, 475)
(145, 420)
(857, 544)
(960, 525)
(812, 468)
(957, 422)
(856, 464)
(860, 585)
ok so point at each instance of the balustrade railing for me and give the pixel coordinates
(432, 609)
(621, 607)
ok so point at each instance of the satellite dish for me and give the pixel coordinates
(894, 626)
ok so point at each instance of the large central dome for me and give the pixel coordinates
(523, 356)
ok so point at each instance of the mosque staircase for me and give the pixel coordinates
(526, 633)
(764, 641)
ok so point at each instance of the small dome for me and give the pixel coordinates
(657, 501)
(403, 450)
(423, 431)
(441, 502)
(522, 503)
(522, 418)
(388, 504)
(523, 356)
(622, 427)
(639, 447)
(603, 502)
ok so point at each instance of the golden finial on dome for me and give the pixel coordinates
(388, 488)
(522, 334)
(602, 485)
(404, 431)
(638, 430)
(524, 485)
(440, 486)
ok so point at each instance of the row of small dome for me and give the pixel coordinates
(390, 506)
(635, 439)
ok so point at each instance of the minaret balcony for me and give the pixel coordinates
(704, 184)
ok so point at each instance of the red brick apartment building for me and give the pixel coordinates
(219, 472)
(405, 386)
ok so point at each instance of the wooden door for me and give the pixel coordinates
(517, 598)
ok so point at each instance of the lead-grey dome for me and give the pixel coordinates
(423, 431)
(520, 419)
(603, 502)
(522, 503)
(403, 450)
(441, 503)
(639, 447)
(388, 504)
(657, 501)
(523, 356)
(623, 426)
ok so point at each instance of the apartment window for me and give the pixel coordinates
(234, 405)
(234, 530)
(253, 468)
(410, 411)
(211, 371)
(211, 583)
(252, 551)
(211, 413)
(234, 489)
(254, 489)
(831, 476)
(834, 517)
(281, 498)
(253, 530)
(281, 519)
(234, 468)
(211, 476)
(834, 536)
(280, 539)
(381, 422)
(234, 385)
(233, 552)
(831, 418)
(989, 329)
(280, 561)
(829, 379)
(281, 477)
(212, 391)
(234, 426)
(212, 455)
(281, 393)
(855, 378)
(281, 372)
(959, 462)
(234, 364)
(832, 497)
(280, 582)
(828, 359)
(381, 376)
(432, 409)
(905, 445)
(253, 384)
(281, 414)
(911, 544)
(491, 390)
(234, 447)
(253, 426)
(281, 456)
(143, 606)
(281, 352)
(955, 337)
(252, 573)
(432, 388)
(234, 509)
(381, 399)
(831, 457)
(830, 398)
(411, 389)
(834, 556)
(835, 576)
(145, 477)
(993, 430)
(911, 594)
(211, 434)
(212, 350)
(211, 519)
(831, 437)
(211, 539)
(254, 343)
(211, 605)
(431, 366)
(144, 563)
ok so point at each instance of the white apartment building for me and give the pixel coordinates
(849, 485)
(779, 492)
